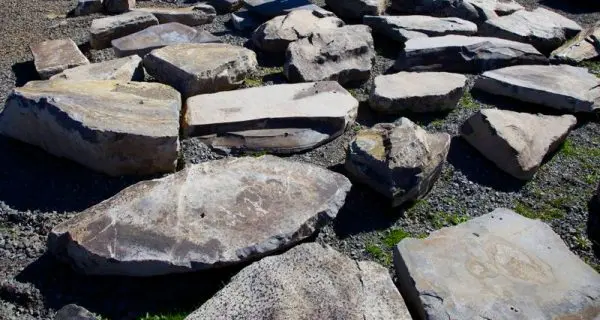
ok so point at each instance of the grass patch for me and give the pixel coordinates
(546, 213)
(168, 316)
(593, 66)
(379, 254)
(255, 154)
(381, 249)
(468, 102)
(582, 242)
(253, 82)
(443, 219)
(438, 123)
(587, 157)
(394, 236)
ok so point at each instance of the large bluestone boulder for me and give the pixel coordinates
(403, 28)
(54, 56)
(115, 127)
(276, 34)
(118, 6)
(104, 30)
(343, 54)
(473, 10)
(585, 46)
(307, 282)
(544, 29)
(399, 160)
(455, 53)
(126, 69)
(416, 92)
(356, 9)
(208, 215)
(273, 8)
(562, 87)
(201, 68)
(287, 118)
(189, 16)
(497, 266)
(516, 142)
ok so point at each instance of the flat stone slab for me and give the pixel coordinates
(403, 28)
(54, 56)
(273, 8)
(104, 30)
(278, 288)
(497, 266)
(142, 42)
(516, 142)
(462, 54)
(585, 46)
(562, 87)
(115, 127)
(356, 9)
(473, 10)
(189, 16)
(209, 215)
(126, 69)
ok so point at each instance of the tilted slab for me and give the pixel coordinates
(585, 46)
(189, 16)
(403, 28)
(126, 69)
(53, 56)
(104, 30)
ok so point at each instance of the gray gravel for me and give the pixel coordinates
(37, 191)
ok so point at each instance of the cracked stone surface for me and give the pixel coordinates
(403, 28)
(104, 30)
(585, 46)
(53, 56)
(126, 69)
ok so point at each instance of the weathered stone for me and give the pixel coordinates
(278, 288)
(118, 6)
(544, 29)
(273, 8)
(126, 69)
(356, 9)
(244, 20)
(416, 92)
(497, 266)
(104, 30)
(276, 34)
(403, 28)
(455, 53)
(400, 160)
(143, 42)
(74, 312)
(114, 127)
(54, 56)
(190, 16)
(561, 87)
(585, 46)
(516, 142)
(344, 54)
(226, 6)
(473, 10)
(208, 215)
(85, 7)
(201, 68)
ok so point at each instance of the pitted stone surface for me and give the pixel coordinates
(403, 28)
(104, 30)
(127, 69)
(53, 56)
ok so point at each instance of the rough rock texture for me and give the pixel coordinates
(544, 29)
(472, 10)
(74, 312)
(190, 16)
(344, 54)
(85, 7)
(416, 92)
(142, 42)
(118, 6)
(403, 28)
(399, 160)
(456, 53)
(276, 34)
(104, 30)
(516, 142)
(110, 126)
(356, 9)
(53, 56)
(126, 69)
(273, 8)
(307, 282)
(585, 46)
(497, 266)
(208, 215)
(562, 87)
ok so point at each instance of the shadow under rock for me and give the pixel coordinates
(386, 46)
(593, 223)
(574, 6)
(369, 117)
(24, 72)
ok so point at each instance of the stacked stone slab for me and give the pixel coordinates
(104, 30)
(126, 69)
(403, 28)
(54, 56)
(356, 9)
(189, 16)
(473, 10)
(585, 46)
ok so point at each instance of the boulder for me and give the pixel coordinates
(403, 28)
(344, 54)
(561, 87)
(497, 266)
(516, 142)
(126, 69)
(273, 8)
(585, 46)
(226, 6)
(104, 30)
(276, 34)
(416, 92)
(74, 312)
(244, 20)
(54, 56)
(85, 7)
(399, 160)
(209, 215)
(356, 9)
(118, 6)
(473, 10)
(544, 29)
(189, 16)
(142, 42)
(455, 53)
(201, 68)
(115, 127)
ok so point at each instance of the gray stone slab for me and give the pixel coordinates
(54, 56)
(127, 69)
(403, 28)
(104, 30)
(356, 9)
(189, 16)
(585, 46)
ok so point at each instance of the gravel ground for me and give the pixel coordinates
(37, 191)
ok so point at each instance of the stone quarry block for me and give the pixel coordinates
(585, 46)
(114, 127)
(273, 8)
(53, 56)
(473, 10)
(118, 6)
(403, 28)
(190, 16)
(356, 9)
(104, 30)
(209, 215)
(85, 7)
(126, 69)
(497, 266)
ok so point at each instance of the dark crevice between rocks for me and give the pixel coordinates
(573, 7)
(24, 72)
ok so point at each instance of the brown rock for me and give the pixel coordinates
(104, 30)
(54, 56)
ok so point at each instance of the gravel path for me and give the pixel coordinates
(37, 191)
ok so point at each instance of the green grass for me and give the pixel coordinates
(394, 236)
(257, 79)
(593, 66)
(587, 157)
(253, 82)
(381, 249)
(168, 316)
(582, 242)
(255, 154)
(438, 123)
(379, 254)
(547, 212)
(467, 101)
(443, 219)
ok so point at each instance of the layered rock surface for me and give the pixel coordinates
(54, 56)
(403, 28)
(126, 69)
(585, 46)
(473, 10)
(104, 30)
(189, 16)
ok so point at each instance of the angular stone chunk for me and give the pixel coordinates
(455, 53)
(189, 16)
(126, 69)
(473, 10)
(403, 28)
(74, 312)
(118, 6)
(399, 160)
(208, 215)
(417, 92)
(114, 127)
(356, 9)
(497, 266)
(53, 56)
(85, 7)
(142, 42)
(585, 46)
(561, 87)
(278, 288)
(201, 68)
(104, 30)
(273, 8)
(516, 142)
(344, 54)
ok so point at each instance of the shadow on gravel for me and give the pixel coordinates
(24, 72)
(368, 117)
(593, 224)
(574, 6)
